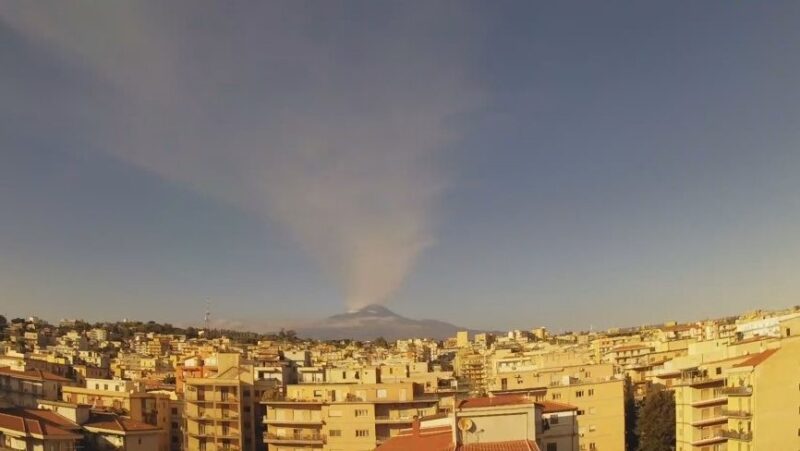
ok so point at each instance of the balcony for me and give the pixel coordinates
(710, 421)
(717, 397)
(302, 438)
(299, 421)
(275, 398)
(738, 435)
(744, 390)
(386, 419)
(737, 413)
(712, 439)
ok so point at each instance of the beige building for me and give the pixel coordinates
(763, 400)
(26, 388)
(222, 411)
(353, 417)
(128, 400)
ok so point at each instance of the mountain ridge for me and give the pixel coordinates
(373, 321)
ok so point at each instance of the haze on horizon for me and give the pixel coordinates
(491, 165)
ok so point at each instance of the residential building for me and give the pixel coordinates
(222, 411)
(347, 416)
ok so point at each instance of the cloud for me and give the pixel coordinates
(331, 123)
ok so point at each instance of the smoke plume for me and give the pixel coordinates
(329, 123)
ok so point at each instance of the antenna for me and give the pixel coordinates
(208, 313)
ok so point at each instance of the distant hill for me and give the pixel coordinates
(375, 321)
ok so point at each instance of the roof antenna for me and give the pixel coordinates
(208, 314)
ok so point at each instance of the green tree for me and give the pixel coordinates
(631, 414)
(381, 342)
(656, 425)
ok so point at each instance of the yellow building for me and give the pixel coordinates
(700, 406)
(763, 400)
(123, 398)
(601, 412)
(353, 417)
(222, 411)
(462, 339)
(471, 370)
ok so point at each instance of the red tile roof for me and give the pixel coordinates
(492, 401)
(441, 439)
(516, 445)
(428, 439)
(116, 424)
(552, 407)
(31, 426)
(756, 358)
(35, 375)
(47, 416)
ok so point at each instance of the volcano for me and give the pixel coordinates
(375, 321)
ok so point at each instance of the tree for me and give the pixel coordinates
(631, 413)
(381, 342)
(656, 424)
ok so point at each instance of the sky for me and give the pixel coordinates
(497, 165)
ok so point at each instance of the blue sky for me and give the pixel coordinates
(494, 164)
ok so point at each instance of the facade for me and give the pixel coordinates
(26, 388)
(763, 400)
(222, 411)
(36, 430)
(127, 400)
(348, 416)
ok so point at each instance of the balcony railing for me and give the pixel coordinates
(742, 390)
(736, 413)
(738, 435)
(391, 419)
(296, 437)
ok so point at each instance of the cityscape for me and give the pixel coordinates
(147, 386)
(374, 225)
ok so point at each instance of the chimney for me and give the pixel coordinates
(415, 425)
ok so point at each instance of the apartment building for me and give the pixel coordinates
(222, 411)
(127, 399)
(506, 422)
(353, 417)
(26, 388)
(471, 369)
(701, 406)
(764, 400)
(601, 411)
(30, 429)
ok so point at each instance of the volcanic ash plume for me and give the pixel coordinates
(333, 132)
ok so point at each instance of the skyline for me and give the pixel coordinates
(563, 165)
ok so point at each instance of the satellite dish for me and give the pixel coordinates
(465, 424)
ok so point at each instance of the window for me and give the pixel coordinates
(362, 432)
(362, 412)
(552, 447)
(335, 433)
(719, 370)
(556, 395)
(591, 392)
(579, 394)
(553, 419)
(592, 446)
